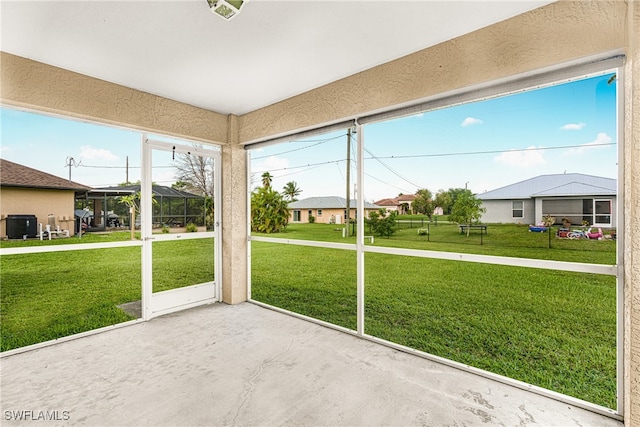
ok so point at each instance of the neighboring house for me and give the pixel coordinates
(400, 204)
(330, 209)
(389, 204)
(25, 191)
(575, 196)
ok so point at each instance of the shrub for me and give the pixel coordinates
(382, 223)
(312, 219)
(269, 211)
(191, 228)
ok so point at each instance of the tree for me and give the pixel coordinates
(467, 209)
(443, 200)
(453, 194)
(290, 191)
(195, 174)
(180, 185)
(132, 201)
(269, 209)
(267, 178)
(423, 203)
(382, 222)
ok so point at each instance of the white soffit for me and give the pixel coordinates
(271, 51)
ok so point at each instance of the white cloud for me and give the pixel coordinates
(573, 126)
(276, 166)
(601, 139)
(165, 177)
(470, 121)
(532, 156)
(87, 152)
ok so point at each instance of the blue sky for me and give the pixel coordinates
(487, 144)
(564, 128)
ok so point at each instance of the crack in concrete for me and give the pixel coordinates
(250, 381)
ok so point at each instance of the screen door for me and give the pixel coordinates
(180, 226)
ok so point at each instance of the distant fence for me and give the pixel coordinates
(419, 222)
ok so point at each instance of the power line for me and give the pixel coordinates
(320, 142)
(302, 166)
(391, 169)
(386, 183)
(120, 167)
(469, 153)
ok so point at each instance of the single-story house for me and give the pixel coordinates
(327, 209)
(26, 192)
(400, 204)
(575, 196)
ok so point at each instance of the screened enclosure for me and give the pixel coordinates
(172, 208)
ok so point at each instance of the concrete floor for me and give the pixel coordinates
(246, 365)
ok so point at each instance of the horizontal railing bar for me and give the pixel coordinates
(577, 267)
(70, 247)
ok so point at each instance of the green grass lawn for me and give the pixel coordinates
(553, 329)
(510, 240)
(548, 328)
(51, 295)
(114, 236)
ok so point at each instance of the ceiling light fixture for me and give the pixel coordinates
(226, 8)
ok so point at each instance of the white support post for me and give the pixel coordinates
(145, 228)
(360, 231)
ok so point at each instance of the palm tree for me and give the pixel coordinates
(266, 179)
(291, 190)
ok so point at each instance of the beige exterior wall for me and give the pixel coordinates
(556, 34)
(631, 167)
(38, 202)
(33, 85)
(326, 215)
(234, 219)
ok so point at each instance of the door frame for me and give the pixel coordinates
(165, 302)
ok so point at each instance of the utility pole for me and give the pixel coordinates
(346, 219)
(127, 176)
(71, 162)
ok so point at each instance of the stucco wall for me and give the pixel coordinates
(631, 167)
(30, 84)
(326, 214)
(38, 202)
(501, 212)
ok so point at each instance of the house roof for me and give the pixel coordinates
(396, 201)
(327, 202)
(568, 184)
(406, 197)
(387, 202)
(158, 190)
(17, 175)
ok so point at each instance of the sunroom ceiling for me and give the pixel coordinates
(271, 51)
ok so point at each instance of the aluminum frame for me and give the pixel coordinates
(155, 304)
(557, 75)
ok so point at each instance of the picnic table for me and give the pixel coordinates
(481, 227)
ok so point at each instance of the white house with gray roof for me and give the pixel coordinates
(576, 196)
(327, 209)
